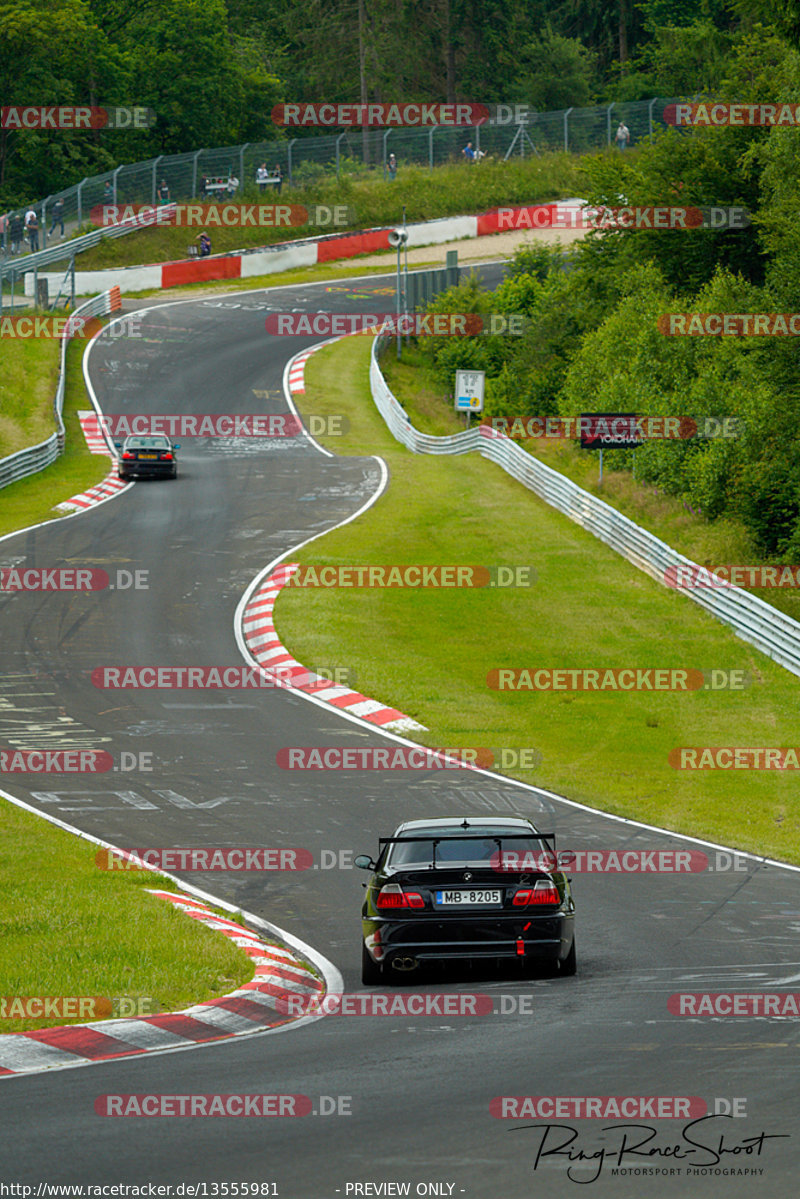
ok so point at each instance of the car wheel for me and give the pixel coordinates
(570, 963)
(371, 972)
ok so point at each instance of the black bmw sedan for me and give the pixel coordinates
(143, 456)
(466, 889)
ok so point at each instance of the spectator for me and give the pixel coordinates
(163, 192)
(278, 174)
(262, 175)
(4, 232)
(16, 230)
(204, 185)
(392, 168)
(205, 244)
(108, 192)
(58, 217)
(32, 228)
(468, 152)
(622, 136)
(233, 185)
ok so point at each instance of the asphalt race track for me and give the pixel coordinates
(418, 1090)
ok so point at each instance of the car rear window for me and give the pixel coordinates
(148, 443)
(468, 850)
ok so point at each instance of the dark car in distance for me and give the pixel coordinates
(147, 456)
(483, 888)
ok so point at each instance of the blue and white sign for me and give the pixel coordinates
(469, 391)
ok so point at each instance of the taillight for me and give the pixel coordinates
(127, 454)
(392, 896)
(545, 891)
(166, 457)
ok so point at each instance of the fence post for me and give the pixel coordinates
(289, 163)
(44, 221)
(385, 136)
(80, 201)
(156, 161)
(195, 157)
(566, 130)
(608, 122)
(114, 184)
(339, 138)
(241, 164)
(650, 116)
(430, 146)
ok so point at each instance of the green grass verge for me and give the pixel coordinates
(428, 652)
(31, 501)
(707, 542)
(447, 191)
(68, 928)
(28, 382)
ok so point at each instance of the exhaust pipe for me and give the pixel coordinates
(404, 965)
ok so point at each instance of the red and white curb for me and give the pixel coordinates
(95, 438)
(297, 385)
(264, 644)
(251, 1008)
(111, 484)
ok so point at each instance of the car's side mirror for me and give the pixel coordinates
(117, 445)
(567, 858)
(364, 862)
(176, 445)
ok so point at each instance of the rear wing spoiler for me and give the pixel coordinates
(498, 838)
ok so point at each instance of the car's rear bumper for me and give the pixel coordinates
(514, 936)
(155, 470)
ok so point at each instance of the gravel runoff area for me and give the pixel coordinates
(472, 249)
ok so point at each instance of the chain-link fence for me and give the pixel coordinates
(305, 160)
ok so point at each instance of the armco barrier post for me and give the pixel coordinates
(566, 130)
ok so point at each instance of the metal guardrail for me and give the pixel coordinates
(35, 458)
(14, 268)
(769, 630)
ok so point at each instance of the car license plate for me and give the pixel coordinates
(463, 899)
(148, 457)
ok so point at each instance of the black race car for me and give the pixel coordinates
(154, 456)
(455, 889)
